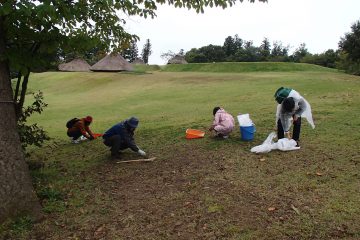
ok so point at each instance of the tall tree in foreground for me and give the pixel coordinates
(146, 52)
(16, 191)
(31, 28)
(350, 50)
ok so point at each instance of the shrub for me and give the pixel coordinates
(32, 134)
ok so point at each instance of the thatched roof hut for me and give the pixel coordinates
(112, 63)
(177, 59)
(138, 61)
(76, 65)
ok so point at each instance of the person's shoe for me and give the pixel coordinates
(82, 138)
(75, 141)
(218, 135)
(116, 156)
(297, 144)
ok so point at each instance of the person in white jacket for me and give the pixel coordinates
(291, 107)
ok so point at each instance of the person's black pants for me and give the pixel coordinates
(296, 129)
(116, 144)
(75, 134)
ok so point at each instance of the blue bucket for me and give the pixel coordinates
(247, 133)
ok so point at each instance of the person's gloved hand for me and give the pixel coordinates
(141, 152)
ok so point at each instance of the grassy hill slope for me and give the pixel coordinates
(205, 188)
(144, 67)
(240, 67)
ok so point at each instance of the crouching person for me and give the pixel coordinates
(223, 123)
(121, 136)
(78, 129)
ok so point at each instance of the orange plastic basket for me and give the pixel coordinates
(193, 133)
(96, 135)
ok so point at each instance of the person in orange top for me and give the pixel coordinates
(81, 128)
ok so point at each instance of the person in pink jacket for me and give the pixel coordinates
(223, 123)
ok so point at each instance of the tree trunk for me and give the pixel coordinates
(17, 87)
(16, 191)
(19, 105)
(16, 95)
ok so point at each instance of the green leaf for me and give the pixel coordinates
(6, 9)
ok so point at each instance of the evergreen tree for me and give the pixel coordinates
(265, 49)
(229, 46)
(131, 53)
(238, 42)
(146, 52)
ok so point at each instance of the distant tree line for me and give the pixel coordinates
(235, 49)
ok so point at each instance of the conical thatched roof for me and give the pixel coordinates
(138, 61)
(76, 65)
(177, 59)
(112, 63)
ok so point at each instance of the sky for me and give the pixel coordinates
(318, 23)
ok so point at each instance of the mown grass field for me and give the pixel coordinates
(205, 188)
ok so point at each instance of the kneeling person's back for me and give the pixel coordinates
(121, 136)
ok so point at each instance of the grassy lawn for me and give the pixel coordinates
(204, 188)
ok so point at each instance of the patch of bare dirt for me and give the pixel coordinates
(192, 192)
(185, 195)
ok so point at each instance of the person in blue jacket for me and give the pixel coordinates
(121, 136)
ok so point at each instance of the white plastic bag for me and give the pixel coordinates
(308, 115)
(286, 144)
(244, 120)
(266, 146)
(283, 144)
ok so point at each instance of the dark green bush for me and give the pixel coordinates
(32, 134)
